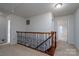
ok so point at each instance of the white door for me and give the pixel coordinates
(61, 28)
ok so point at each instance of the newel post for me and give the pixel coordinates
(55, 41)
(52, 38)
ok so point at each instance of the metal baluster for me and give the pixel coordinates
(37, 39)
(27, 38)
(30, 35)
(24, 38)
(21, 38)
(49, 41)
(17, 37)
(44, 43)
(31, 39)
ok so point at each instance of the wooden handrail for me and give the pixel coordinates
(34, 32)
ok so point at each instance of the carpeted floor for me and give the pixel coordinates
(65, 49)
(19, 50)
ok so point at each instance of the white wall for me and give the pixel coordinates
(77, 28)
(71, 25)
(67, 23)
(40, 23)
(17, 24)
(3, 28)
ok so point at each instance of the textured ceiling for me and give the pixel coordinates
(32, 9)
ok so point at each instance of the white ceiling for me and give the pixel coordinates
(32, 9)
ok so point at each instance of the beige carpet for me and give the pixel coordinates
(19, 50)
(65, 49)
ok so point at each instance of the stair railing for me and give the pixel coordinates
(32, 39)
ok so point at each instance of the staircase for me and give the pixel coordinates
(50, 50)
(31, 39)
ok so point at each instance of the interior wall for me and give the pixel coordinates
(71, 25)
(64, 25)
(40, 23)
(3, 28)
(17, 24)
(77, 28)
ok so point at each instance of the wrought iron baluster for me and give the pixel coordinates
(17, 37)
(21, 38)
(37, 39)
